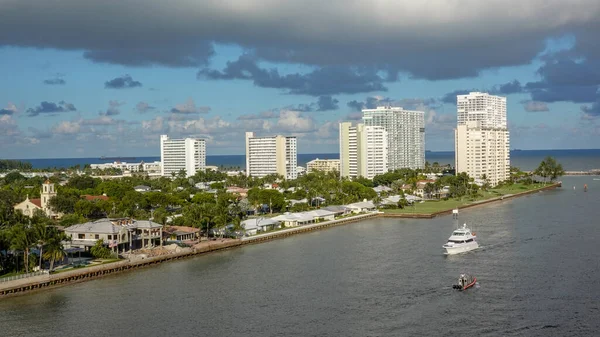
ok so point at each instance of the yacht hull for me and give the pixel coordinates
(460, 248)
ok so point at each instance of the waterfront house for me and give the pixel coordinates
(363, 206)
(295, 219)
(338, 210)
(181, 233)
(256, 225)
(117, 234)
(321, 214)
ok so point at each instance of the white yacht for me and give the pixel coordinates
(462, 240)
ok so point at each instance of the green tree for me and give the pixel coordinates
(99, 251)
(22, 239)
(553, 168)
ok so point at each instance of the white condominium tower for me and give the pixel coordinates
(187, 154)
(363, 150)
(271, 155)
(406, 135)
(482, 140)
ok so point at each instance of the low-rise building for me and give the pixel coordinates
(257, 225)
(117, 234)
(181, 233)
(142, 188)
(323, 165)
(338, 210)
(363, 206)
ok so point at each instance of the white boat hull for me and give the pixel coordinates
(460, 247)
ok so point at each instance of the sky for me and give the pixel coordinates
(86, 78)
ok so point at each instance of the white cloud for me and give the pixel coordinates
(189, 107)
(67, 128)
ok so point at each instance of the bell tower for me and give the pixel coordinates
(47, 193)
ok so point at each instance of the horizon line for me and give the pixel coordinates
(320, 153)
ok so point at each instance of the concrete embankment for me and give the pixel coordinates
(21, 286)
(25, 285)
(77, 275)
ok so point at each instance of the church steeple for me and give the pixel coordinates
(47, 193)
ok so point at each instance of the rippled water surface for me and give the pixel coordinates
(538, 272)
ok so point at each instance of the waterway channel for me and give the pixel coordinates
(538, 271)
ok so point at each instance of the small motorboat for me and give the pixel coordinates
(465, 282)
(462, 240)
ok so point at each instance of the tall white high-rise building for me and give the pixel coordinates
(482, 142)
(271, 155)
(187, 154)
(406, 135)
(363, 150)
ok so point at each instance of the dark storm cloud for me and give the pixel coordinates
(327, 103)
(513, 87)
(122, 82)
(450, 97)
(324, 103)
(592, 110)
(369, 103)
(535, 106)
(51, 108)
(455, 40)
(55, 81)
(322, 81)
(567, 78)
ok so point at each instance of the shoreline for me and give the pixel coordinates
(471, 205)
(37, 283)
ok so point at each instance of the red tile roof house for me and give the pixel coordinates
(94, 197)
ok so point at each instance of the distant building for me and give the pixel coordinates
(29, 206)
(187, 154)
(363, 150)
(482, 143)
(325, 165)
(153, 168)
(406, 135)
(271, 155)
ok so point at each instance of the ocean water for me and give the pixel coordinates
(572, 160)
(538, 272)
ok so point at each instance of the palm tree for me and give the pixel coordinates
(42, 235)
(55, 251)
(22, 240)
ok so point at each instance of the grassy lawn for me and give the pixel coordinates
(11, 274)
(429, 207)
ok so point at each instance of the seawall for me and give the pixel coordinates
(36, 283)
